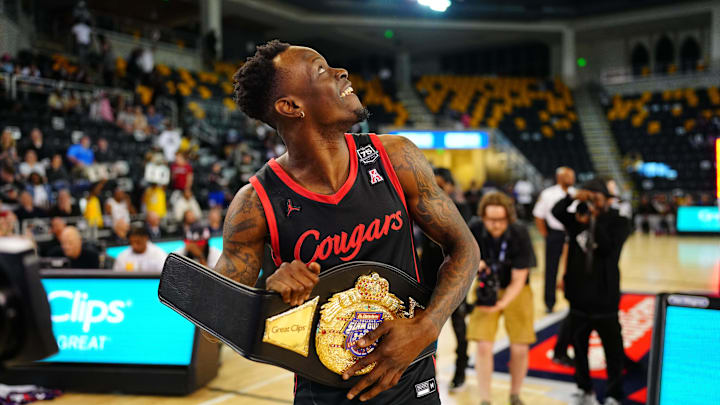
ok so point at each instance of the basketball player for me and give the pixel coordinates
(335, 198)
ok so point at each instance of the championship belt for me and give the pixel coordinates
(311, 339)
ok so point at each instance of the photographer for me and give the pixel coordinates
(596, 233)
(502, 288)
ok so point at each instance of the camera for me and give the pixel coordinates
(487, 287)
(25, 328)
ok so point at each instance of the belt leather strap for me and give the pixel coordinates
(236, 313)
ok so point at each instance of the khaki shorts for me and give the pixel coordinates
(518, 320)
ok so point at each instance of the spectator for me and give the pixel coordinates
(9, 188)
(31, 165)
(706, 200)
(40, 191)
(119, 206)
(155, 201)
(154, 120)
(82, 34)
(146, 63)
(596, 234)
(107, 61)
(8, 152)
(8, 222)
(55, 102)
(665, 212)
(36, 143)
(27, 210)
(126, 119)
(524, 196)
(100, 109)
(646, 214)
(80, 255)
(217, 186)
(64, 206)
(197, 246)
(169, 141)
(473, 196)
(142, 256)
(103, 154)
(181, 172)
(215, 221)
(153, 226)
(186, 202)
(57, 176)
(140, 123)
(507, 257)
(120, 232)
(80, 154)
(57, 225)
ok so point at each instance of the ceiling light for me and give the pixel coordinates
(436, 5)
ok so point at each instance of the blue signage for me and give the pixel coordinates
(447, 140)
(116, 321)
(698, 219)
(168, 246)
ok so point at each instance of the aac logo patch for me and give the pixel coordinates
(425, 388)
(360, 324)
(367, 154)
(375, 177)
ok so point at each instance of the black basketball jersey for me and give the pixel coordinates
(366, 219)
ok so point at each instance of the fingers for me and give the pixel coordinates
(360, 364)
(365, 382)
(375, 334)
(294, 281)
(388, 381)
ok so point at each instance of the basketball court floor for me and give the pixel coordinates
(649, 264)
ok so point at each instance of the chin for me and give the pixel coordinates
(361, 114)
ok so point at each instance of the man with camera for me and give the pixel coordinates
(596, 234)
(502, 288)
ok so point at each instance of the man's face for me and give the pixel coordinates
(57, 225)
(138, 244)
(566, 178)
(85, 142)
(71, 245)
(320, 91)
(495, 220)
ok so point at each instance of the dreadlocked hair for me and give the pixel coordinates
(254, 85)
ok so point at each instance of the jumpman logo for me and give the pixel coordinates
(290, 207)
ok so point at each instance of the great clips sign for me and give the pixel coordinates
(116, 321)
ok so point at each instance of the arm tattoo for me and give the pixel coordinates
(439, 218)
(243, 239)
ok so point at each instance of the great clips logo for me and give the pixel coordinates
(76, 307)
(343, 245)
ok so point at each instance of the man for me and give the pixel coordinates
(153, 226)
(197, 241)
(432, 259)
(186, 202)
(592, 283)
(36, 143)
(80, 154)
(64, 206)
(27, 210)
(181, 172)
(121, 233)
(551, 229)
(321, 185)
(142, 256)
(507, 256)
(80, 255)
(215, 221)
(57, 225)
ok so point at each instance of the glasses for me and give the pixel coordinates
(495, 220)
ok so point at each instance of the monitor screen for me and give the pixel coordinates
(168, 246)
(698, 219)
(116, 321)
(690, 359)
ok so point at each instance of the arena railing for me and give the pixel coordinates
(518, 165)
(624, 74)
(43, 85)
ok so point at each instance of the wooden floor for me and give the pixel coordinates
(649, 264)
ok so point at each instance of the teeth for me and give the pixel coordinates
(347, 91)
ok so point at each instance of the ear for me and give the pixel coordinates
(287, 107)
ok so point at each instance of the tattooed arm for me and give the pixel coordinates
(437, 215)
(244, 235)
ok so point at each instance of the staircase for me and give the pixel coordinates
(599, 139)
(417, 111)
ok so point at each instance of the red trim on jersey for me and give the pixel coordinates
(323, 198)
(270, 219)
(434, 362)
(398, 188)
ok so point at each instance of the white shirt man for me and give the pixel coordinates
(142, 256)
(82, 33)
(545, 203)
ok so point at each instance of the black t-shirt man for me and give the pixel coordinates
(89, 258)
(513, 250)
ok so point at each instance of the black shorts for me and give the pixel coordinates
(417, 386)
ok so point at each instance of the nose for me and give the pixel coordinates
(341, 73)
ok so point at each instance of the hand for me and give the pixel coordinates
(583, 195)
(294, 281)
(402, 341)
(499, 306)
(483, 268)
(561, 284)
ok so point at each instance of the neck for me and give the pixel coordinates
(318, 159)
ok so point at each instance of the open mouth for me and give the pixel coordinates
(346, 92)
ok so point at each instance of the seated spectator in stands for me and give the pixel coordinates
(103, 153)
(83, 36)
(101, 110)
(154, 200)
(80, 154)
(40, 191)
(142, 256)
(181, 172)
(120, 233)
(57, 225)
(6, 64)
(152, 224)
(64, 206)
(140, 123)
(217, 186)
(186, 202)
(646, 214)
(169, 141)
(27, 209)
(119, 206)
(7, 147)
(215, 221)
(93, 209)
(197, 246)
(666, 213)
(706, 200)
(55, 102)
(37, 144)
(57, 176)
(126, 119)
(8, 222)
(31, 165)
(81, 255)
(154, 120)
(9, 186)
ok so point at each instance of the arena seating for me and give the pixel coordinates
(676, 128)
(537, 116)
